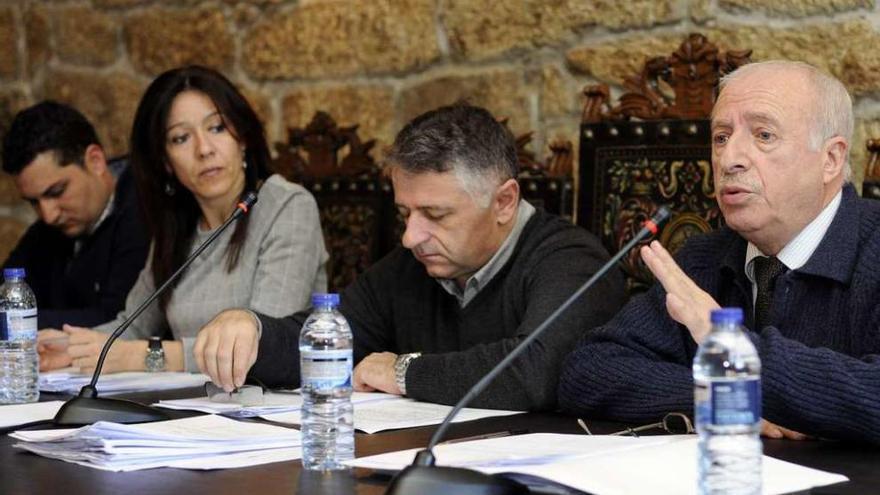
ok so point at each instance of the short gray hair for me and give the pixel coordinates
(461, 138)
(832, 107)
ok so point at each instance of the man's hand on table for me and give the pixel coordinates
(376, 372)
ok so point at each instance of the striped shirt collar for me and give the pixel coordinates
(479, 279)
(797, 252)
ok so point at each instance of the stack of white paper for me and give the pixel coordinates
(373, 412)
(70, 381)
(273, 403)
(599, 464)
(201, 442)
(398, 412)
(19, 414)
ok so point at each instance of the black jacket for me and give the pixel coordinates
(91, 287)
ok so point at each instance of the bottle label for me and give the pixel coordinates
(727, 402)
(326, 369)
(18, 324)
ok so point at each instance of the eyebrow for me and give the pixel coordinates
(59, 183)
(424, 207)
(761, 117)
(206, 118)
(750, 117)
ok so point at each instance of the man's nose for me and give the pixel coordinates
(735, 155)
(49, 211)
(416, 231)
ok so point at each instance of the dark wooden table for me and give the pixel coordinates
(23, 473)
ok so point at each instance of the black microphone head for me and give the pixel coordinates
(661, 216)
(248, 201)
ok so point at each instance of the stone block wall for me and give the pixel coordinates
(380, 62)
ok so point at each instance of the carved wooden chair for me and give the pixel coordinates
(354, 199)
(653, 148)
(548, 184)
(871, 185)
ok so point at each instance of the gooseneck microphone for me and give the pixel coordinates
(424, 478)
(87, 407)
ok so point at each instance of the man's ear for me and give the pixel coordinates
(95, 161)
(506, 201)
(836, 150)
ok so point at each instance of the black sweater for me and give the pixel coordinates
(395, 306)
(90, 287)
(820, 352)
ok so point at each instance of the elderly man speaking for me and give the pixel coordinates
(798, 240)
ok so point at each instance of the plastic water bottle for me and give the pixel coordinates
(19, 364)
(325, 349)
(727, 408)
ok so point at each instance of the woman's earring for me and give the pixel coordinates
(169, 188)
(244, 164)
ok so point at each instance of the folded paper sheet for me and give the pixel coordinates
(599, 464)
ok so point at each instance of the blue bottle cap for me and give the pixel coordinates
(13, 273)
(727, 315)
(322, 299)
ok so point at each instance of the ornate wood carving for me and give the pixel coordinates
(548, 183)
(652, 148)
(691, 73)
(871, 186)
(560, 163)
(313, 152)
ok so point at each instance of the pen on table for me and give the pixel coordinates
(497, 434)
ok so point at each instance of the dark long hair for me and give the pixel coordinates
(172, 220)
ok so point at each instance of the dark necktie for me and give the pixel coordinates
(766, 271)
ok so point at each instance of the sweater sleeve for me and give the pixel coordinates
(636, 368)
(818, 391)
(277, 364)
(291, 255)
(530, 382)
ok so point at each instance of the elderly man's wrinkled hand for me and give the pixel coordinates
(772, 430)
(686, 302)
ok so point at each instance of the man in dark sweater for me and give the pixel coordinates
(780, 138)
(84, 253)
(479, 269)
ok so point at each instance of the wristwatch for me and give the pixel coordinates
(155, 360)
(401, 364)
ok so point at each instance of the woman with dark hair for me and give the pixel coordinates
(196, 148)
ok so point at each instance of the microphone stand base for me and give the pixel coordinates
(434, 480)
(87, 410)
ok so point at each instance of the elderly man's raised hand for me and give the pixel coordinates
(686, 302)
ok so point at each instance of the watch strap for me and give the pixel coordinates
(401, 365)
(155, 358)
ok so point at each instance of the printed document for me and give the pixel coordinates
(599, 464)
